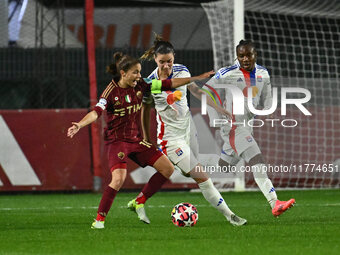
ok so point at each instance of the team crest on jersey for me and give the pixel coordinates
(128, 98)
(249, 139)
(259, 78)
(139, 94)
(116, 98)
(121, 155)
(179, 152)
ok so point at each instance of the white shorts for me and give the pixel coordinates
(182, 156)
(239, 144)
(184, 153)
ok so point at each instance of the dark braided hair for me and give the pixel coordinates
(160, 46)
(245, 43)
(120, 62)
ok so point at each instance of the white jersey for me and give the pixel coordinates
(173, 118)
(258, 80)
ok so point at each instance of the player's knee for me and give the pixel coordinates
(117, 181)
(164, 166)
(168, 170)
(257, 159)
(198, 174)
(223, 163)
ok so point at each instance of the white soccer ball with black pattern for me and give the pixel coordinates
(184, 215)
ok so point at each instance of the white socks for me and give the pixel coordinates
(214, 197)
(264, 183)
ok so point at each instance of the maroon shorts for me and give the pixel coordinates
(141, 152)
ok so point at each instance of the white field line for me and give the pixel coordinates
(74, 208)
(148, 206)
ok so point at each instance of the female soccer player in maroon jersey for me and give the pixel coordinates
(122, 99)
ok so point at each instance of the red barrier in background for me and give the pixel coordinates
(59, 162)
(62, 163)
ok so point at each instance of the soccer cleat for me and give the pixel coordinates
(237, 221)
(139, 209)
(97, 224)
(282, 206)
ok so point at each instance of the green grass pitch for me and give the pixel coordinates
(60, 224)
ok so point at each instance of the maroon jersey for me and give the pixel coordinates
(123, 106)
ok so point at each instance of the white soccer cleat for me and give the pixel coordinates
(142, 215)
(237, 221)
(97, 224)
(139, 209)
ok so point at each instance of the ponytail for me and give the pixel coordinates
(120, 62)
(159, 46)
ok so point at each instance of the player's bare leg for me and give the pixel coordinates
(164, 171)
(213, 196)
(118, 178)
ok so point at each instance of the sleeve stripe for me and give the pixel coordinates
(225, 70)
(179, 66)
(181, 69)
(107, 91)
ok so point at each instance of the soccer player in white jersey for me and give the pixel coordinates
(177, 136)
(239, 142)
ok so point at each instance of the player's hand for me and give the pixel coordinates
(73, 130)
(225, 113)
(206, 75)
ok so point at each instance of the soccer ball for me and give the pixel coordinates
(184, 215)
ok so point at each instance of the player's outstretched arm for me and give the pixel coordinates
(195, 90)
(158, 86)
(177, 82)
(76, 126)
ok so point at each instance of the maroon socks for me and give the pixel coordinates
(154, 184)
(106, 202)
